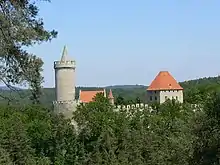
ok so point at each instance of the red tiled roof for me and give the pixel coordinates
(164, 81)
(110, 95)
(88, 96)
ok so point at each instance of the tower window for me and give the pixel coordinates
(150, 98)
(155, 97)
(177, 97)
(165, 97)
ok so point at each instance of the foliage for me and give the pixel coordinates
(170, 133)
(138, 137)
(207, 131)
(20, 27)
(32, 135)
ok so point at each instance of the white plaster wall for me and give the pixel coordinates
(171, 94)
(65, 84)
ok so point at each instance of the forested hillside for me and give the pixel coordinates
(194, 92)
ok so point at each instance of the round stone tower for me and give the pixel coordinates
(65, 85)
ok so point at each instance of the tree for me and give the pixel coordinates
(207, 131)
(20, 27)
(14, 140)
(109, 136)
(171, 140)
(5, 157)
(138, 100)
(33, 135)
(99, 130)
(120, 100)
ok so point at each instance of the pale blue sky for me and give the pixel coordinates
(130, 41)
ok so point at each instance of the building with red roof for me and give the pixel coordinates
(88, 96)
(164, 87)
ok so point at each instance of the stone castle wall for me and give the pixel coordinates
(65, 80)
(65, 107)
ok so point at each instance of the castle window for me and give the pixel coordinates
(155, 91)
(176, 97)
(165, 97)
(155, 97)
(150, 98)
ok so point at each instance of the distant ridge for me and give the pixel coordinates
(90, 87)
(5, 88)
(128, 92)
(137, 86)
(125, 86)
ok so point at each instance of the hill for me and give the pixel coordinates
(4, 88)
(194, 91)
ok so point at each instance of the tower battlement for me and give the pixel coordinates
(64, 64)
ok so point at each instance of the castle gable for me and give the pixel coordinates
(164, 81)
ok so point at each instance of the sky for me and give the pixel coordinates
(117, 42)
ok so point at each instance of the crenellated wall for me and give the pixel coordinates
(64, 64)
(133, 106)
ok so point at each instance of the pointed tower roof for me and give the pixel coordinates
(110, 95)
(64, 54)
(164, 81)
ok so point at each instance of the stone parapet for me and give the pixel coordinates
(64, 64)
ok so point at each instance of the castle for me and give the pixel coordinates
(163, 87)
